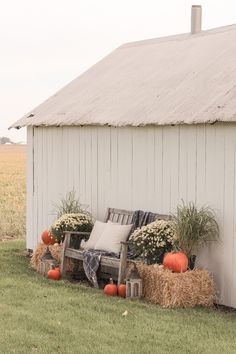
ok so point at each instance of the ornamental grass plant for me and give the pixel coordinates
(194, 227)
(70, 204)
(72, 216)
(153, 240)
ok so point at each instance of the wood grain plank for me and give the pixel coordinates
(30, 229)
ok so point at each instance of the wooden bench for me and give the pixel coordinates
(109, 266)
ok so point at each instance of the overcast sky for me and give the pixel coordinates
(46, 43)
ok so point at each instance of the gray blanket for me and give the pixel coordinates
(91, 263)
(142, 218)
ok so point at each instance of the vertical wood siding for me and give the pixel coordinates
(31, 235)
(150, 168)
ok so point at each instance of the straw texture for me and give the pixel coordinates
(161, 286)
(39, 251)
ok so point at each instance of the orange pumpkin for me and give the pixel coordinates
(48, 238)
(54, 274)
(122, 290)
(176, 261)
(110, 289)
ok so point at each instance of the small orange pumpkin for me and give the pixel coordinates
(54, 274)
(110, 289)
(122, 290)
(48, 238)
(176, 261)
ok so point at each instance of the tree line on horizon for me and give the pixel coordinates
(6, 140)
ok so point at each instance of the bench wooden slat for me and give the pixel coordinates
(110, 262)
(122, 218)
(116, 217)
(105, 260)
(129, 220)
(73, 253)
(115, 211)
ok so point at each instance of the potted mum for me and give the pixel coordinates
(153, 240)
(71, 222)
(71, 216)
(194, 228)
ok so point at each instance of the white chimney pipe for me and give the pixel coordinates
(196, 19)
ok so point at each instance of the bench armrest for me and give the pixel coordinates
(123, 260)
(76, 236)
(76, 233)
(126, 243)
(66, 244)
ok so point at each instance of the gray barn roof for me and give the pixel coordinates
(173, 80)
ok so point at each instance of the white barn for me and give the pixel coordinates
(151, 124)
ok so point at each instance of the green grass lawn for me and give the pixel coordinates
(42, 316)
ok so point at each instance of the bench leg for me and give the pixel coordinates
(66, 244)
(123, 263)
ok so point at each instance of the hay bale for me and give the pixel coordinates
(162, 286)
(39, 251)
(56, 251)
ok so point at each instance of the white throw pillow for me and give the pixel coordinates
(97, 231)
(111, 237)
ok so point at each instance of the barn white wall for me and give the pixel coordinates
(150, 168)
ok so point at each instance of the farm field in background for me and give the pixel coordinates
(12, 191)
